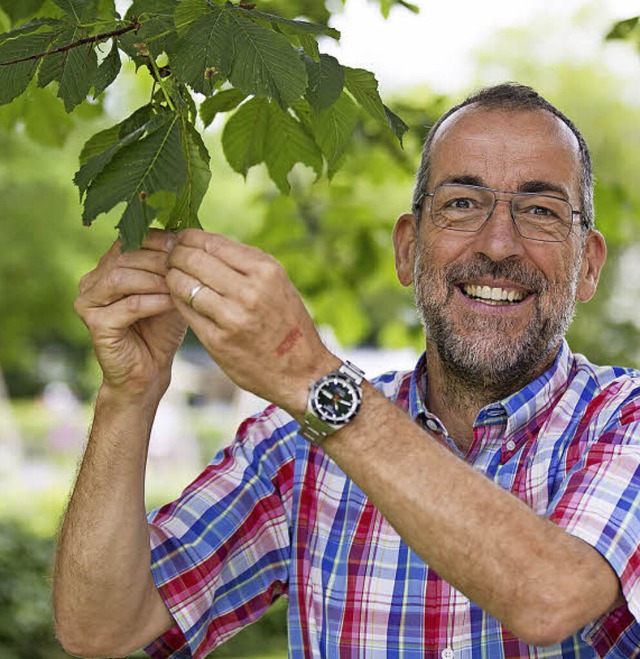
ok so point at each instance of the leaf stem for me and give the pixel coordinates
(81, 42)
(160, 81)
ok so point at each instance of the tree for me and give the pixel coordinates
(290, 102)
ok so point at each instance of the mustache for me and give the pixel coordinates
(482, 266)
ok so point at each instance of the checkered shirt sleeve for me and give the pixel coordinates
(220, 554)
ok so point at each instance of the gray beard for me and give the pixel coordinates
(483, 358)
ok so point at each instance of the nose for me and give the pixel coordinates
(499, 238)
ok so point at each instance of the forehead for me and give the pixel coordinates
(506, 149)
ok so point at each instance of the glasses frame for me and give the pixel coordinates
(495, 192)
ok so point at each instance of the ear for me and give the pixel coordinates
(404, 243)
(594, 256)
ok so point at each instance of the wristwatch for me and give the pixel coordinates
(334, 401)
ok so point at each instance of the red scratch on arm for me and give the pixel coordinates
(289, 341)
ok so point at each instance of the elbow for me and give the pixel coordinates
(540, 633)
(544, 622)
(89, 644)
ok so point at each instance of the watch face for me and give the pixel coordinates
(336, 399)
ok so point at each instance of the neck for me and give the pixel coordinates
(457, 399)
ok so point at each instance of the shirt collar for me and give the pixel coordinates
(518, 408)
(536, 398)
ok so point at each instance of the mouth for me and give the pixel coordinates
(494, 295)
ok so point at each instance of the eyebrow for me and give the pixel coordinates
(536, 186)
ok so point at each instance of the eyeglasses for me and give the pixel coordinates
(536, 216)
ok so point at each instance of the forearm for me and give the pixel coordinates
(489, 545)
(102, 579)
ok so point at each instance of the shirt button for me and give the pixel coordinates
(432, 425)
(510, 445)
(447, 653)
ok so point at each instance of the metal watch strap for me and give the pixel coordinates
(352, 371)
(314, 429)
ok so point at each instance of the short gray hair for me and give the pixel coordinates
(512, 97)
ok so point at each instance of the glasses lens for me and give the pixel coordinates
(541, 217)
(461, 207)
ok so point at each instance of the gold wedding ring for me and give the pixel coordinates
(194, 291)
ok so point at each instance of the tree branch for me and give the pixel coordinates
(81, 42)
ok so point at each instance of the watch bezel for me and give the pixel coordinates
(347, 383)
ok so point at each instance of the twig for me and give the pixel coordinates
(76, 44)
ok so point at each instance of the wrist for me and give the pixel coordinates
(139, 401)
(328, 364)
(333, 402)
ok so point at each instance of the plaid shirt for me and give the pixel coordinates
(271, 515)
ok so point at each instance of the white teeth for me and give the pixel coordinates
(493, 294)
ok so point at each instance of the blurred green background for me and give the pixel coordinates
(334, 240)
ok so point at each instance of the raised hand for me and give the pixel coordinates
(249, 317)
(134, 324)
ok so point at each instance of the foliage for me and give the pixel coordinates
(39, 270)
(26, 620)
(26, 628)
(290, 103)
(628, 28)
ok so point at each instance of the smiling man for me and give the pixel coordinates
(484, 505)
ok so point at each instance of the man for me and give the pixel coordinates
(484, 505)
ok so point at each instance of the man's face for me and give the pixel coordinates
(495, 305)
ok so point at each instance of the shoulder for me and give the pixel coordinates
(606, 399)
(603, 385)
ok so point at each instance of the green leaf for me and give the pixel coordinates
(189, 11)
(107, 70)
(107, 8)
(185, 212)
(75, 69)
(397, 125)
(287, 143)
(333, 128)
(326, 81)
(100, 149)
(138, 171)
(78, 10)
(244, 135)
(415, 9)
(262, 131)
(222, 42)
(44, 118)
(293, 27)
(265, 63)
(386, 5)
(31, 39)
(310, 46)
(135, 222)
(156, 33)
(623, 29)
(41, 115)
(222, 101)
(18, 10)
(205, 53)
(363, 86)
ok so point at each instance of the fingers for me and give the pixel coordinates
(127, 286)
(238, 256)
(198, 265)
(104, 319)
(152, 257)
